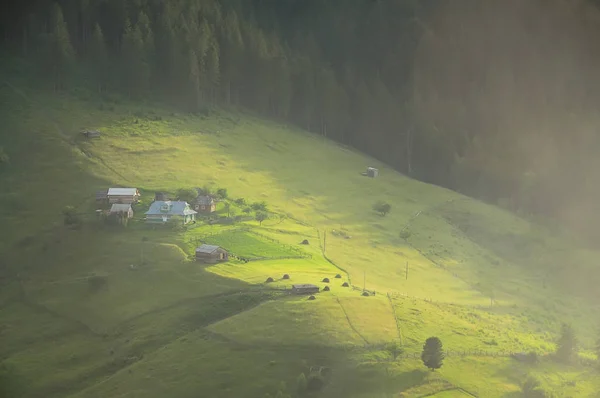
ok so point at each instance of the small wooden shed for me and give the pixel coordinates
(372, 172)
(122, 209)
(211, 254)
(91, 133)
(306, 288)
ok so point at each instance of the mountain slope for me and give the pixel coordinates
(436, 263)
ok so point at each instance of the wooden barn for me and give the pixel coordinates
(306, 288)
(211, 254)
(205, 204)
(124, 209)
(123, 195)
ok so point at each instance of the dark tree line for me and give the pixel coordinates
(495, 99)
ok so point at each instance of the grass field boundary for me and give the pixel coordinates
(350, 323)
(395, 318)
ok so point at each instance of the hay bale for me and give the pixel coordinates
(338, 276)
(326, 280)
(304, 242)
(286, 276)
(312, 298)
(326, 289)
(269, 280)
(345, 284)
(366, 294)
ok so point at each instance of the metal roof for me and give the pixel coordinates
(164, 207)
(117, 207)
(207, 249)
(122, 191)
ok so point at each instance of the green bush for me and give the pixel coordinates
(240, 201)
(187, 194)
(301, 383)
(70, 216)
(222, 193)
(97, 282)
(259, 206)
(405, 234)
(382, 207)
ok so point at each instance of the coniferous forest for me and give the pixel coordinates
(497, 100)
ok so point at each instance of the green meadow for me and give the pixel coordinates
(105, 311)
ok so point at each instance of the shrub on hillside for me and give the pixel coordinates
(222, 193)
(301, 383)
(187, 194)
(405, 234)
(315, 383)
(382, 207)
(247, 210)
(531, 389)
(395, 349)
(70, 216)
(97, 282)
(259, 206)
(240, 201)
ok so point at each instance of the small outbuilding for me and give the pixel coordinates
(372, 172)
(305, 289)
(122, 209)
(205, 204)
(211, 254)
(90, 133)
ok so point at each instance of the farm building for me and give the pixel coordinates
(119, 208)
(161, 211)
(305, 289)
(211, 254)
(102, 196)
(205, 204)
(90, 133)
(123, 195)
(372, 172)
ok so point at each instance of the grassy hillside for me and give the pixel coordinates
(158, 324)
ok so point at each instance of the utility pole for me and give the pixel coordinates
(324, 240)
(406, 269)
(364, 280)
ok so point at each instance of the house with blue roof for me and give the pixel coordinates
(162, 211)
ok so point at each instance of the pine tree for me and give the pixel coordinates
(98, 58)
(194, 81)
(433, 354)
(212, 67)
(135, 69)
(58, 51)
(566, 346)
(231, 47)
(149, 48)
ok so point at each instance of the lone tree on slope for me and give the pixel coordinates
(261, 216)
(382, 208)
(433, 354)
(566, 346)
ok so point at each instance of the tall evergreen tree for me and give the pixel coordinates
(59, 54)
(135, 68)
(212, 67)
(566, 346)
(232, 46)
(194, 81)
(433, 354)
(97, 56)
